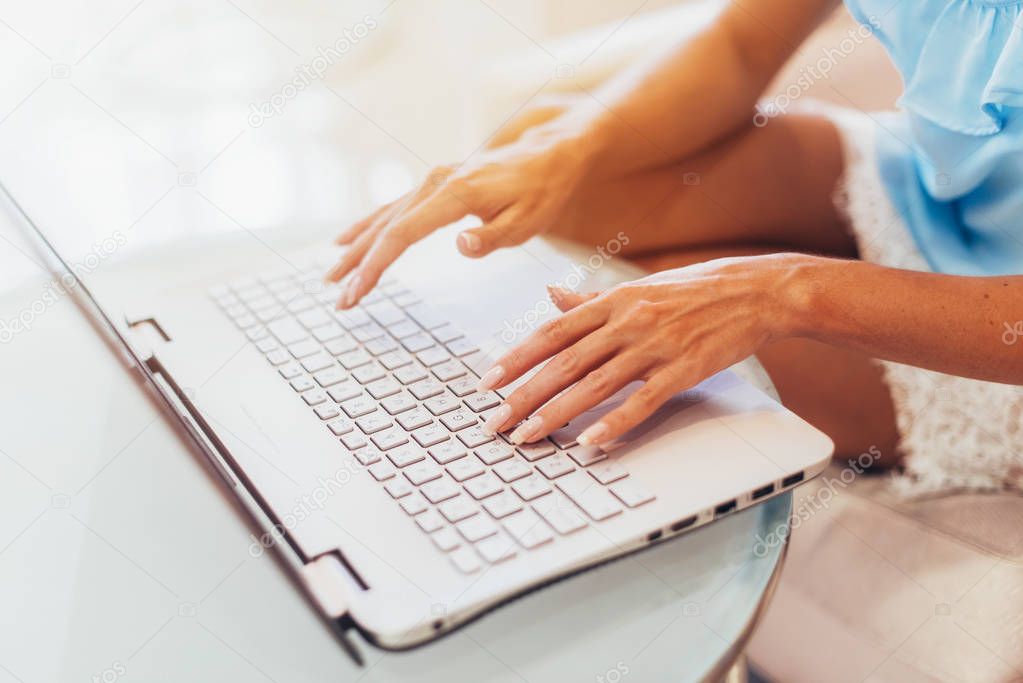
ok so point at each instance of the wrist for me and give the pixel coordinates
(801, 284)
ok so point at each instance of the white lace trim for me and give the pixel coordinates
(955, 433)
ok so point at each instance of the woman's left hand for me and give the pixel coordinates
(672, 330)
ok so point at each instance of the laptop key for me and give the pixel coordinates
(528, 529)
(287, 331)
(409, 374)
(448, 370)
(440, 490)
(391, 438)
(531, 487)
(502, 505)
(630, 492)
(340, 427)
(398, 403)
(447, 540)
(367, 332)
(304, 348)
(462, 347)
(382, 471)
(426, 389)
(511, 470)
(278, 356)
(324, 333)
(368, 456)
(476, 527)
(534, 451)
(474, 436)
(432, 356)
(447, 452)
(396, 359)
(339, 345)
(466, 561)
(562, 517)
(353, 441)
(430, 435)
(496, 548)
(330, 376)
(457, 509)
(586, 455)
(317, 362)
(290, 370)
(480, 402)
(359, 406)
(354, 359)
(404, 329)
(403, 457)
(414, 419)
(313, 318)
(438, 405)
(465, 468)
(446, 333)
(423, 472)
(608, 472)
(430, 521)
(368, 373)
(591, 497)
(398, 488)
(464, 386)
(383, 387)
(381, 345)
(459, 419)
(339, 393)
(425, 316)
(414, 504)
(327, 411)
(494, 452)
(267, 344)
(302, 383)
(483, 486)
(373, 423)
(314, 397)
(555, 467)
(417, 342)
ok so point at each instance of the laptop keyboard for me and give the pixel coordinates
(389, 379)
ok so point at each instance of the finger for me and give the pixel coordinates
(566, 299)
(640, 405)
(566, 368)
(381, 214)
(439, 210)
(352, 256)
(500, 232)
(599, 384)
(553, 336)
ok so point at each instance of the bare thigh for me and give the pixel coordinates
(766, 190)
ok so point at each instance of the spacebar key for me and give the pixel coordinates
(590, 496)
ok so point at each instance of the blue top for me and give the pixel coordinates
(952, 158)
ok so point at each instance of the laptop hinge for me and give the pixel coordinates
(328, 580)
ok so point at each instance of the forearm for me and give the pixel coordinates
(952, 324)
(695, 93)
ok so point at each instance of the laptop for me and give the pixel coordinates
(352, 440)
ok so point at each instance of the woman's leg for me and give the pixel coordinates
(765, 190)
(763, 186)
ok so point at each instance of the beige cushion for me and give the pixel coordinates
(878, 590)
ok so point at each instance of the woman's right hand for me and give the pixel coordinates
(518, 189)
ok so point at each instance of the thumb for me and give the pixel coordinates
(476, 242)
(566, 299)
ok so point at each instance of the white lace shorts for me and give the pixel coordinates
(955, 433)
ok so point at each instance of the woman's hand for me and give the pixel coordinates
(671, 330)
(518, 189)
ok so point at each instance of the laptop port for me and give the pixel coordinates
(654, 535)
(763, 491)
(792, 479)
(724, 508)
(683, 523)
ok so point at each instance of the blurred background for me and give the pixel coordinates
(171, 119)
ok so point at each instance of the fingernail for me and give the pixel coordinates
(497, 419)
(469, 241)
(593, 434)
(351, 291)
(490, 378)
(527, 429)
